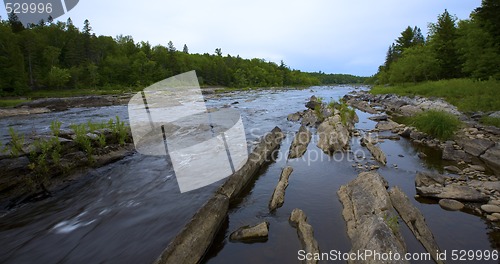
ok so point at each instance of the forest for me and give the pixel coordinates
(453, 49)
(57, 55)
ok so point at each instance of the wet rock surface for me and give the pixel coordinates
(333, 135)
(278, 197)
(451, 205)
(366, 205)
(298, 219)
(415, 222)
(256, 233)
(300, 143)
(433, 186)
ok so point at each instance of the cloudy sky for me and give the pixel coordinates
(334, 36)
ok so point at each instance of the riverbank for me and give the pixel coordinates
(472, 153)
(477, 99)
(35, 166)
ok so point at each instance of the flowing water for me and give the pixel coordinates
(128, 211)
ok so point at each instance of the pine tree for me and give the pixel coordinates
(442, 39)
(185, 49)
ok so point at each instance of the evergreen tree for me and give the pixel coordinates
(185, 49)
(442, 39)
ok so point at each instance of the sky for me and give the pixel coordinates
(332, 36)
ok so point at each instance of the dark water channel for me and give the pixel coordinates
(128, 211)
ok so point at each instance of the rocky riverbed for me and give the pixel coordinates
(474, 151)
(137, 197)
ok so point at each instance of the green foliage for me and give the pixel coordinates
(438, 124)
(82, 140)
(57, 77)
(392, 222)
(346, 112)
(417, 64)
(16, 143)
(58, 55)
(466, 94)
(442, 40)
(101, 140)
(490, 121)
(318, 112)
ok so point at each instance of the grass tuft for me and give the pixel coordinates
(490, 121)
(438, 124)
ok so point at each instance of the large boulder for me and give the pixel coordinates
(333, 135)
(367, 206)
(300, 143)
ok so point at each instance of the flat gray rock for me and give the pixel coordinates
(451, 205)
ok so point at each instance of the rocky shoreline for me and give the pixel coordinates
(474, 151)
(44, 164)
(47, 105)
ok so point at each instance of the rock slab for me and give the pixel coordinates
(300, 143)
(251, 233)
(298, 219)
(278, 197)
(366, 206)
(415, 222)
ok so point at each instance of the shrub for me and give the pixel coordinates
(16, 143)
(438, 124)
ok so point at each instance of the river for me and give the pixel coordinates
(128, 211)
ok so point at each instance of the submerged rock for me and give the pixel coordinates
(298, 219)
(254, 233)
(300, 143)
(278, 197)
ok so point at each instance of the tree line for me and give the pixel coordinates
(453, 49)
(58, 55)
